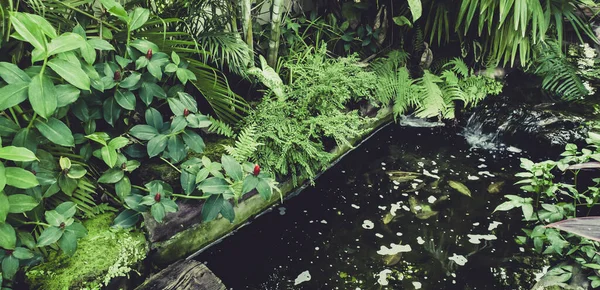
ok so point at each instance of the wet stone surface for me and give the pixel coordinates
(410, 209)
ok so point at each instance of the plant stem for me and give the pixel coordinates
(190, 196)
(140, 188)
(170, 164)
(32, 119)
(37, 224)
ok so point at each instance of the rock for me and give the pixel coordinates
(502, 120)
(184, 274)
(189, 214)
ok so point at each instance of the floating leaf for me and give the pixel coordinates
(460, 187)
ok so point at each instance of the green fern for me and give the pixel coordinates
(459, 66)
(245, 145)
(559, 75)
(220, 127)
(432, 102)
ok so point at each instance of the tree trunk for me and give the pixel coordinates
(247, 27)
(275, 32)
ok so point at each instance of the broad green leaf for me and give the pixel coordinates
(99, 137)
(65, 42)
(12, 74)
(144, 45)
(64, 163)
(131, 80)
(20, 178)
(232, 167)
(4, 207)
(10, 266)
(22, 253)
(123, 188)
(111, 111)
(49, 236)
(115, 9)
(250, 182)
(2, 177)
(54, 218)
(26, 239)
(118, 143)
(170, 205)
(141, 62)
(154, 118)
(176, 148)
(71, 72)
(17, 154)
(227, 210)
(68, 243)
(177, 107)
(100, 44)
(76, 171)
(125, 99)
(67, 209)
(158, 212)
(20, 203)
(67, 185)
(77, 229)
(150, 90)
(212, 208)
(155, 69)
(27, 28)
(175, 58)
(213, 185)
(193, 140)
(128, 218)
(157, 145)
(109, 156)
(264, 189)
(188, 102)
(112, 175)
(88, 53)
(8, 127)
(178, 124)
(12, 95)
(56, 131)
(188, 182)
(198, 121)
(138, 18)
(8, 237)
(66, 94)
(143, 132)
(42, 96)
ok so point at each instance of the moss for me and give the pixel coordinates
(103, 254)
(214, 148)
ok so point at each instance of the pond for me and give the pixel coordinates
(393, 214)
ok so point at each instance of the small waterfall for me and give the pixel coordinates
(476, 136)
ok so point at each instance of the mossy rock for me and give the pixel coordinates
(102, 255)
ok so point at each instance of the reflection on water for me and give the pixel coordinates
(410, 209)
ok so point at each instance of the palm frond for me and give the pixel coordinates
(559, 75)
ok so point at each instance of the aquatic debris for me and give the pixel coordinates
(387, 218)
(495, 187)
(431, 199)
(493, 225)
(383, 277)
(417, 285)
(421, 210)
(281, 210)
(379, 235)
(393, 249)
(420, 241)
(427, 173)
(514, 149)
(486, 173)
(460, 187)
(472, 177)
(303, 277)
(458, 259)
(355, 206)
(398, 176)
(476, 239)
(391, 260)
(367, 224)
(395, 207)
(408, 121)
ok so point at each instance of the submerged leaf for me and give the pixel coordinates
(460, 187)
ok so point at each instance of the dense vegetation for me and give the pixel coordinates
(90, 91)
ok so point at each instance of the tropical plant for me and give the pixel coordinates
(545, 202)
(430, 95)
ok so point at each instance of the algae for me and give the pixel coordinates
(102, 255)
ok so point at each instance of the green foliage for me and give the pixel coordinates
(559, 74)
(293, 126)
(245, 145)
(548, 201)
(430, 95)
(220, 127)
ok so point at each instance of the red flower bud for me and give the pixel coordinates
(9, 252)
(123, 165)
(149, 54)
(186, 112)
(33, 172)
(157, 197)
(117, 76)
(62, 225)
(256, 170)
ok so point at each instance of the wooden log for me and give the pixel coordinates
(184, 274)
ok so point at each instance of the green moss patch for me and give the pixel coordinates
(102, 255)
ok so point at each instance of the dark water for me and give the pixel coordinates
(335, 229)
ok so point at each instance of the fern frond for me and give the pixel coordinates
(220, 127)
(245, 145)
(432, 101)
(458, 66)
(559, 75)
